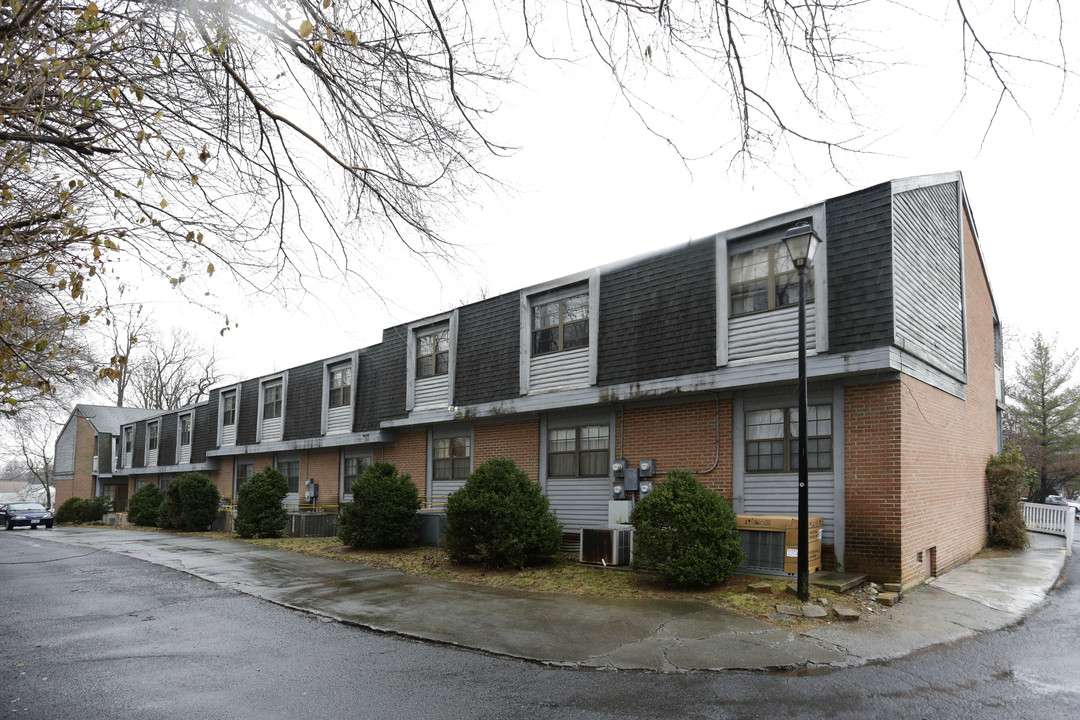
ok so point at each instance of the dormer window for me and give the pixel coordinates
(185, 430)
(433, 353)
(765, 279)
(151, 436)
(560, 324)
(272, 401)
(228, 408)
(340, 386)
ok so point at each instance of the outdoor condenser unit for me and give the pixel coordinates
(605, 546)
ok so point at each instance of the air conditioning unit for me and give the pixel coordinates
(771, 543)
(605, 546)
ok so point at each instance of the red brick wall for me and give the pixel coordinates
(82, 483)
(409, 454)
(519, 441)
(872, 480)
(223, 477)
(681, 436)
(324, 468)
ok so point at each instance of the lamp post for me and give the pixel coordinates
(802, 243)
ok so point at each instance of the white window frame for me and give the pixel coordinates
(352, 360)
(550, 291)
(415, 331)
(235, 391)
(348, 454)
(156, 435)
(281, 458)
(190, 416)
(270, 380)
(761, 234)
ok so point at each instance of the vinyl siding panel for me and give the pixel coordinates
(338, 420)
(860, 269)
(658, 316)
(303, 402)
(579, 502)
(927, 261)
(433, 392)
(559, 370)
(778, 494)
(769, 333)
(105, 453)
(64, 449)
(488, 351)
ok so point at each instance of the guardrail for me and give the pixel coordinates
(1052, 519)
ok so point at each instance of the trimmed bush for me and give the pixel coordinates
(144, 506)
(500, 519)
(1007, 476)
(383, 511)
(80, 510)
(73, 510)
(686, 533)
(191, 504)
(259, 511)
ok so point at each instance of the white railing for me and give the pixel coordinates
(1053, 519)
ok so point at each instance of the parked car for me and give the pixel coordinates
(25, 514)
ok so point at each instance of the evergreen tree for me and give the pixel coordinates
(1046, 416)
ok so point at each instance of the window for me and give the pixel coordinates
(151, 436)
(243, 472)
(765, 279)
(272, 401)
(451, 458)
(185, 430)
(433, 353)
(772, 439)
(578, 451)
(560, 324)
(291, 470)
(127, 441)
(228, 408)
(340, 386)
(354, 468)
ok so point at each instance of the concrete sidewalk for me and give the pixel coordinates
(568, 630)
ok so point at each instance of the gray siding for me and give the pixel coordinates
(248, 412)
(658, 316)
(860, 269)
(64, 450)
(167, 440)
(303, 402)
(138, 453)
(488, 351)
(928, 285)
(579, 502)
(204, 432)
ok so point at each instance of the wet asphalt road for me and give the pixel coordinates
(92, 635)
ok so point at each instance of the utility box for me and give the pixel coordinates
(771, 543)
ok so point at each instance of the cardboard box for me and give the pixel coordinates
(791, 558)
(775, 522)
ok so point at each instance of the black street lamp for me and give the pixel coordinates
(802, 243)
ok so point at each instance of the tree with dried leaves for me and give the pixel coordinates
(274, 139)
(1045, 405)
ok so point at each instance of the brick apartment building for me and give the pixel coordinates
(686, 356)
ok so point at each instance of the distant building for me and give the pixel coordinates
(685, 356)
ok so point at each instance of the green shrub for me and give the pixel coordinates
(191, 504)
(144, 506)
(383, 511)
(97, 508)
(500, 519)
(1007, 476)
(80, 510)
(259, 511)
(73, 510)
(686, 533)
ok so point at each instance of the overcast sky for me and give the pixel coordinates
(590, 185)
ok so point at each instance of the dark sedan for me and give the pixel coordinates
(25, 514)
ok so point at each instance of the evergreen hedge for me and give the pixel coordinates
(383, 512)
(500, 519)
(259, 509)
(686, 533)
(191, 504)
(144, 506)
